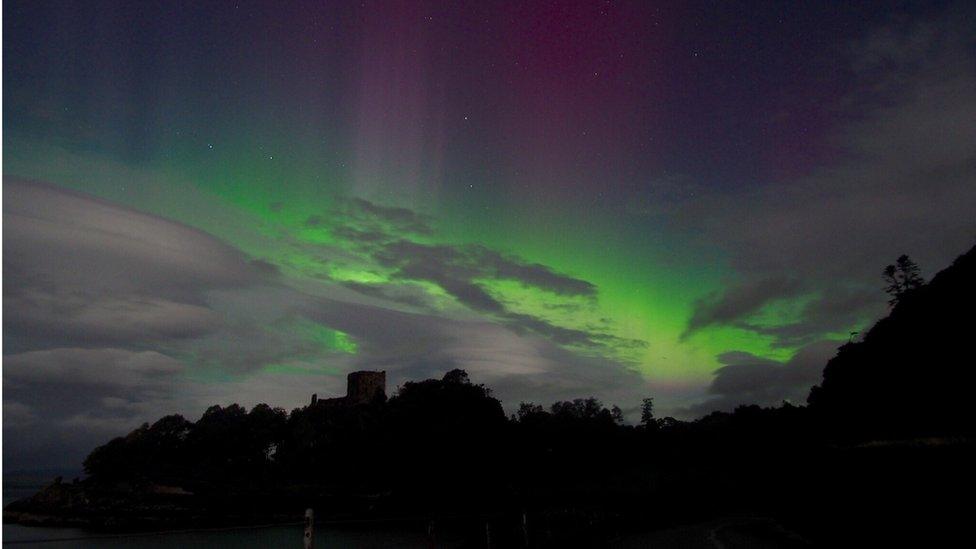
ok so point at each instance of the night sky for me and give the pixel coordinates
(210, 202)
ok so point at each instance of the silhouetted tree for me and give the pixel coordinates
(586, 411)
(265, 430)
(528, 410)
(457, 376)
(669, 423)
(617, 414)
(647, 413)
(580, 408)
(902, 278)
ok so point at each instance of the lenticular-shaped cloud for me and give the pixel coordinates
(82, 271)
(65, 237)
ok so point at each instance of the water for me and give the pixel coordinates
(288, 537)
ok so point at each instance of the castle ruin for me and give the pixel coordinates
(362, 387)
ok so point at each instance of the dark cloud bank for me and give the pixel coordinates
(748, 379)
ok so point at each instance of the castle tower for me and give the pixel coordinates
(365, 387)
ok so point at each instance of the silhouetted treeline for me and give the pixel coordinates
(446, 446)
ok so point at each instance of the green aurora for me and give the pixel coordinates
(646, 286)
(575, 178)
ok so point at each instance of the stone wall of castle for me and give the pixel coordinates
(365, 387)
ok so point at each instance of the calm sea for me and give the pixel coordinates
(287, 537)
(283, 537)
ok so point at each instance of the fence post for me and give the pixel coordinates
(309, 523)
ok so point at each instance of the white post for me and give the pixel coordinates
(309, 522)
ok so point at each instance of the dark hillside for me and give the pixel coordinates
(912, 373)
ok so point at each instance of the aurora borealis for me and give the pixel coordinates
(242, 201)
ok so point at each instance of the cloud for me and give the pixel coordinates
(737, 303)
(359, 236)
(449, 264)
(81, 271)
(96, 295)
(114, 369)
(360, 219)
(461, 271)
(108, 309)
(50, 230)
(400, 220)
(82, 318)
(374, 242)
(406, 293)
(831, 312)
(747, 379)
(59, 403)
(531, 274)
